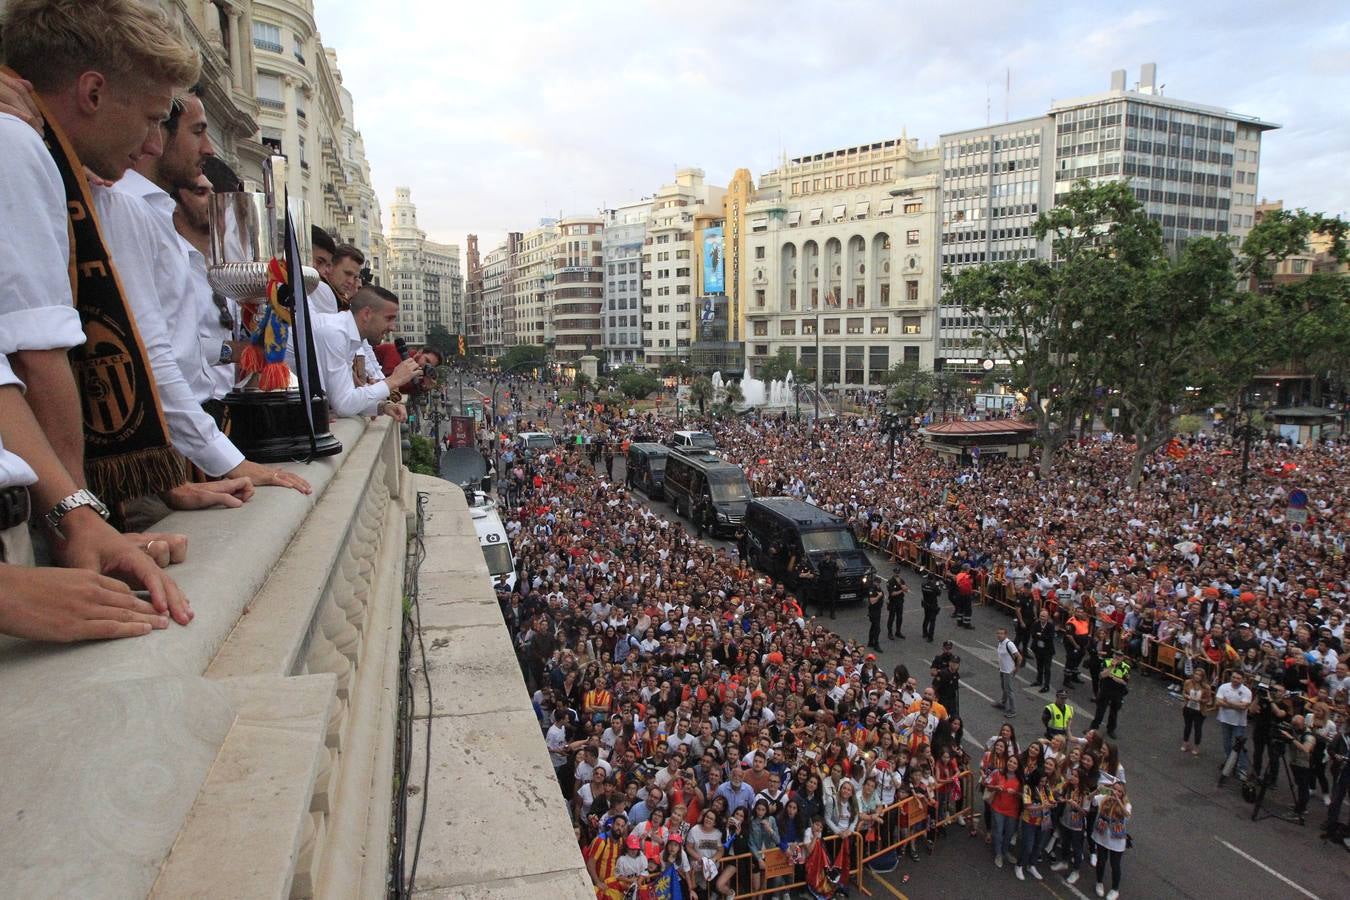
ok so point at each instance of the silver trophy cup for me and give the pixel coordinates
(248, 229)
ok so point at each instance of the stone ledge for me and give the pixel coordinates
(491, 781)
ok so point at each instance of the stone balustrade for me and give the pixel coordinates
(250, 754)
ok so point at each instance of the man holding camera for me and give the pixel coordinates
(1271, 714)
(1301, 744)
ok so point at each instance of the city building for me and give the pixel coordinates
(498, 306)
(1194, 168)
(526, 317)
(714, 348)
(668, 314)
(424, 274)
(574, 298)
(361, 206)
(473, 296)
(839, 259)
(737, 199)
(302, 114)
(622, 243)
(220, 32)
(996, 181)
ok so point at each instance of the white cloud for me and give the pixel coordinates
(496, 114)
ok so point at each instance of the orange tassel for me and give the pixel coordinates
(252, 361)
(275, 377)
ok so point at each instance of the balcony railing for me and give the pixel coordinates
(263, 44)
(269, 103)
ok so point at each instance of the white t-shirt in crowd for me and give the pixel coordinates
(1229, 694)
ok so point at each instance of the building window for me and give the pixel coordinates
(759, 253)
(854, 325)
(269, 91)
(914, 207)
(761, 328)
(912, 236)
(759, 298)
(808, 327)
(885, 298)
(299, 51)
(792, 298)
(831, 326)
(911, 291)
(911, 325)
(787, 327)
(881, 325)
(911, 355)
(878, 364)
(267, 37)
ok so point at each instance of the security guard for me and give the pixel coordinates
(1114, 687)
(1058, 716)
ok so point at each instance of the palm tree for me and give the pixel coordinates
(732, 394)
(701, 391)
(581, 383)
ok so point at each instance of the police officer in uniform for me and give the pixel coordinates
(1114, 687)
(874, 604)
(932, 590)
(1042, 642)
(1058, 716)
(829, 592)
(895, 605)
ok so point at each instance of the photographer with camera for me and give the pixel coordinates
(1301, 744)
(1270, 734)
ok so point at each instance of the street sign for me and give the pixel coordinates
(1298, 499)
(1296, 515)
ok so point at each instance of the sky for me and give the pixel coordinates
(497, 114)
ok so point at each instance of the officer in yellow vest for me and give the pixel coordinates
(1058, 716)
(1114, 687)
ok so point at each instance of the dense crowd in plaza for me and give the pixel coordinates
(694, 710)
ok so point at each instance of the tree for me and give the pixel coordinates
(1046, 318)
(676, 369)
(732, 395)
(441, 340)
(701, 392)
(1177, 343)
(520, 356)
(581, 383)
(638, 385)
(422, 456)
(910, 389)
(777, 367)
(1313, 312)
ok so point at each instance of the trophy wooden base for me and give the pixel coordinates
(270, 426)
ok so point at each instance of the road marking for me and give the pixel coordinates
(1260, 865)
(881, 880)
(978, 692)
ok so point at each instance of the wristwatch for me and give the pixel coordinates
(80, 498)
(395, 396)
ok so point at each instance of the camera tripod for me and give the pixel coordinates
(1268, 778)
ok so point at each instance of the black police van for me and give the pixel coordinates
(694, 475)
(646, 469)
(782, 533)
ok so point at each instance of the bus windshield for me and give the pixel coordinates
(819, 541)
(729, 489)
(498, 558)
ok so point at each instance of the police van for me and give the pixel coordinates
(492, 537)
(701, 475)
(783, 534)
(646, 468)
(693, 440)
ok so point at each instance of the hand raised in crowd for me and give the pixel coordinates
(16, 99)
(264, 476)
(90, 543)
(230, 493)
(47, 604)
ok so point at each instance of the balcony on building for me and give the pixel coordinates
(252, 753)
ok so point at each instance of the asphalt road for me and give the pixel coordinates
(1192, 838)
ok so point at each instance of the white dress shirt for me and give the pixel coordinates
(336, 344)
(323, 302)
(188, 310)
(14, 472)
(134, 241)
(36, 308)
(211, 334)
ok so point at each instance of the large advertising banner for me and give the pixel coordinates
(461, 431)
(714, 261)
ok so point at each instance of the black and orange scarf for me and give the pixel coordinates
(127, 449)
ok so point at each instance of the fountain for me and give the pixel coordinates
(752, 391)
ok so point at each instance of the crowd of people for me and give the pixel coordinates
(116, 354)
(673, 681)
